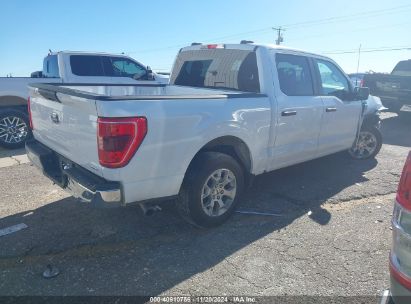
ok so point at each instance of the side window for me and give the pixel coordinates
(51, 67)
(294, 75)
(123, 67)
(333, 81)
(86, 65)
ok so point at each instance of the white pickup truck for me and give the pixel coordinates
(65, 67)
(229, 113)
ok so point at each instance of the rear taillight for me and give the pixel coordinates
(361, 83)
(118, 139)
(29, 111)
(404, 188)
(400, 259)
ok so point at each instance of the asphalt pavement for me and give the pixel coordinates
(328, 234)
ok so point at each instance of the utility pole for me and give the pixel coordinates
(279, 35)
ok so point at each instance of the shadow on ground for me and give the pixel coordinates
(11, 152)
(396, 130)
(166, 250)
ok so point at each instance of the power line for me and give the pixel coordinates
(353, 31)
(352, 16)
(382, 49)
(266, 29)
(335, 19)
(356, 51)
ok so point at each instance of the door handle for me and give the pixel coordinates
(331, 110)
(288, 113)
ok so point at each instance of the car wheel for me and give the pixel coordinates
(368, 144)
(14, 128)
(211, 189)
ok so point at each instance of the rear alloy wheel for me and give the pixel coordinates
(14, 129)
(218, 192)
(211, 189)
(368, 144)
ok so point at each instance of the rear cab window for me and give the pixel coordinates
(403, 68)
(51, 67)
(217, 68)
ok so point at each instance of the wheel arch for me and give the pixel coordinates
(10, 101)
(229, 145)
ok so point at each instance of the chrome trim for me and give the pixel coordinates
(394, 222)
(386, 296)
(78, 183)
(111, 196)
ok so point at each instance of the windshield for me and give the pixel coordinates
(217, 68)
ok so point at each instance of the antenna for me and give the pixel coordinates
(359, 56)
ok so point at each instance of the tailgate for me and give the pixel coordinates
(67, 125)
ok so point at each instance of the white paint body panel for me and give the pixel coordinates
(179, 127)
(338, 128)
(17, 86)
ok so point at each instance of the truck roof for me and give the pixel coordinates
(87, 53)
(251, 46)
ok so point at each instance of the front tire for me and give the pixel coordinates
(14, 128)
(211, 189)
(368, 145)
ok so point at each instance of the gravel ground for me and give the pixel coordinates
(331, 236)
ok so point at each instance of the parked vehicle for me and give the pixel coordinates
(229, 113)
(64, 67)
(357, 79)
(400, 257)
(394, 89)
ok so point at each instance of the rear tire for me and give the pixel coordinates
(14, 128)
(368, 144)
(211, 189)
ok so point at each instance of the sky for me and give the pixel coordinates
(152, 32)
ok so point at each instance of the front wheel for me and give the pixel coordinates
(368, 144)
(14, 128)
(211, 189)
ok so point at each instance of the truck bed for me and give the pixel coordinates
(180, 120)
(17, 86)
(136, 92)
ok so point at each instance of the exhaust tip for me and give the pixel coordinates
(150, 210)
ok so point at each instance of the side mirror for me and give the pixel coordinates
(362, 93)
(150, 74)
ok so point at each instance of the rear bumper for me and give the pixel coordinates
(399, 294)
(79, 182)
